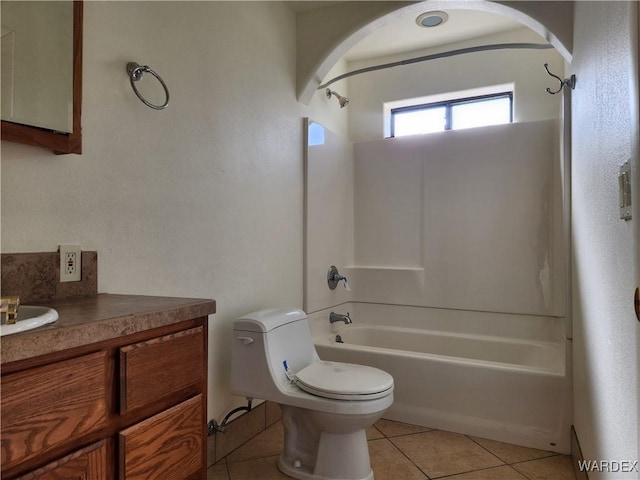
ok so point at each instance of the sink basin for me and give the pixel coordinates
(30, 317)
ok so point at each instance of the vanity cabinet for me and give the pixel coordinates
(43, 406)
(132, 407)
(85, 464)
(167, 445)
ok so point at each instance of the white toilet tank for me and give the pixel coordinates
(262, 341)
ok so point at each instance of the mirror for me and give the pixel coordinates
(42, 106)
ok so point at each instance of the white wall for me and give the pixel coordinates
(203, 199)
(523, 68)
(605, 352)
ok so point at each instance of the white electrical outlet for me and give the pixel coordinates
(70, 263)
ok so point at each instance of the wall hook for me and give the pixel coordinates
(567, 82)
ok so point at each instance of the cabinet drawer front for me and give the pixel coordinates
(90, 463)
(167, 446)
(45, 407)
(158, 368)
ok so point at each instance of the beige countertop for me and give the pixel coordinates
(86, 320)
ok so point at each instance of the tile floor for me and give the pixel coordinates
(407, 452)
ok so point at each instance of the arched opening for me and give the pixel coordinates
(323, 40)
(467, 225)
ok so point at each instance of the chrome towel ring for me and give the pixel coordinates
(135, 73)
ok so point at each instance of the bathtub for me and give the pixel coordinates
(512, 388)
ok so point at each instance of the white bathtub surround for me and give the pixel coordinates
(329, 218)
(496, 376)
(512, 326)
(476, 209)
(468, 219)
(457, 347)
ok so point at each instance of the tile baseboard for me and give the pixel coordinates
(240, 430)
(576, 456)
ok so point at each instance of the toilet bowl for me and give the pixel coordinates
(326, 406)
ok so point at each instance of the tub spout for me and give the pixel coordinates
(336, 317)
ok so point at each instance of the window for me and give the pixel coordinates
(494, 109)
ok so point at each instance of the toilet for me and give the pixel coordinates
(326, 406)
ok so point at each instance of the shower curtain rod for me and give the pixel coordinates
(451, 53)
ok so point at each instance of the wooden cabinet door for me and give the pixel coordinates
(49, 406)
(167, 446)
(165, 367)
(90, 463)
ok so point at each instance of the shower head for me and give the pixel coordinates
(342, 100)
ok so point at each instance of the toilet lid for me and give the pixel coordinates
(344, 381)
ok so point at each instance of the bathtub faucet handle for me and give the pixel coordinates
(334, 277)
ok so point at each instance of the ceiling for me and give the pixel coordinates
(306, 5)
(404, 35)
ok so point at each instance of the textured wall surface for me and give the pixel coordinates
(605, 356)
(203, 199)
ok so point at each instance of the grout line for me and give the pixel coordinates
(226, 467)
(551, 454)
(485, 448)
(407, 457)
(480, 470)
(452, 474)
(379, 431)
(263, 432)
(523, 474)
(409, 434)
(222, 461)
(555, 454)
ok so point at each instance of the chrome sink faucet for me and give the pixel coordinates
(336, 317)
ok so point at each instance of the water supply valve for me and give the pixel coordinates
(334, 277)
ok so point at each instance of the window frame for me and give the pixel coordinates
(449, 104)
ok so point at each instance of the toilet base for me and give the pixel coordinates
(290, 470)
(322, 446)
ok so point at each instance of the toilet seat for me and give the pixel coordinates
(344, 381)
